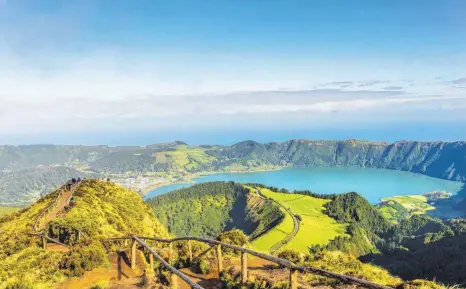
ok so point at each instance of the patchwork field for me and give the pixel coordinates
(416, 204)
(185, 157)
(315, 227)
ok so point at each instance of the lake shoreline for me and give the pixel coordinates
(329, 180)
(191, 178)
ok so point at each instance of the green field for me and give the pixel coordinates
(273, 236)
(7, 210)
(315, 227)
(415, 204)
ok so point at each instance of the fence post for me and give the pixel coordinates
(119, 266)
(170, 253)
(133, 255)
(293, 279)
(244, 268)
(151, 261)
(44, 243)
(190, 252)
(174, 282)
(219, 259)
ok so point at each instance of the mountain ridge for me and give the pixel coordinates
(140, 167)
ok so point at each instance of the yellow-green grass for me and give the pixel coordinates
(389, 213)
(315, 228)
(415, 204)
(265, 242)
(7, 210)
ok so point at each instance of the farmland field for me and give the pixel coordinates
(315, 228)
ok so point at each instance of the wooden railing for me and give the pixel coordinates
(45, 212)
(294, 269)
(175, 271)
(45, 238)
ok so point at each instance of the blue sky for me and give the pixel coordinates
(134, 72)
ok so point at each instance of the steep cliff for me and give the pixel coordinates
(446, 160)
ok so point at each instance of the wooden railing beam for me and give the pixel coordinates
(293, 279)
(190, 252)
(219, 260)
(49, 239)
(164, 263)
(282, 262)
(244, 268)
(133, 255)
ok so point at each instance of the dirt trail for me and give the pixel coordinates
(256, 267)
(57, 248)
(118, 276)
(62, 202)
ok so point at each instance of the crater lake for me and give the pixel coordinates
(373, 184)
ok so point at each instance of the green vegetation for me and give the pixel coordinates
(423, 247)
(29, 172)
(333, 261)
(416, 247)
(365, 224)
(398, 208)
(7, 210)
(313, 220)
(416, 204)
(185, 157)
(102, 210)
(207, 209)
(276, 234)
(24, 186)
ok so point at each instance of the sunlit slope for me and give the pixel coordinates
(276, 234)
(105, 209)
(102, 210)
(315, 228)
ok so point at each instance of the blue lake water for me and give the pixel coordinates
(372, 184)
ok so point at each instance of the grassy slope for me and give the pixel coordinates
(315, 226)
(7, 210)
(102, 210)
(277, 233)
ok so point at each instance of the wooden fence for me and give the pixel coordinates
(294, 269)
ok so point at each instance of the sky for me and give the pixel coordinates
(221, 71)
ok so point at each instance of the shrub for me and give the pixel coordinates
(19, 285)
(201, 266)
(292, 256)
(233, 237)
(421, 284)
(84, 257)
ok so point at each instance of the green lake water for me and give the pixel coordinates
(372, 184)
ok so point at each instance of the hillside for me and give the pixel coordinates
(333, 230)
(27, 172)
(208, 209)
(102, 210)
(436, 159)
(311, 218)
